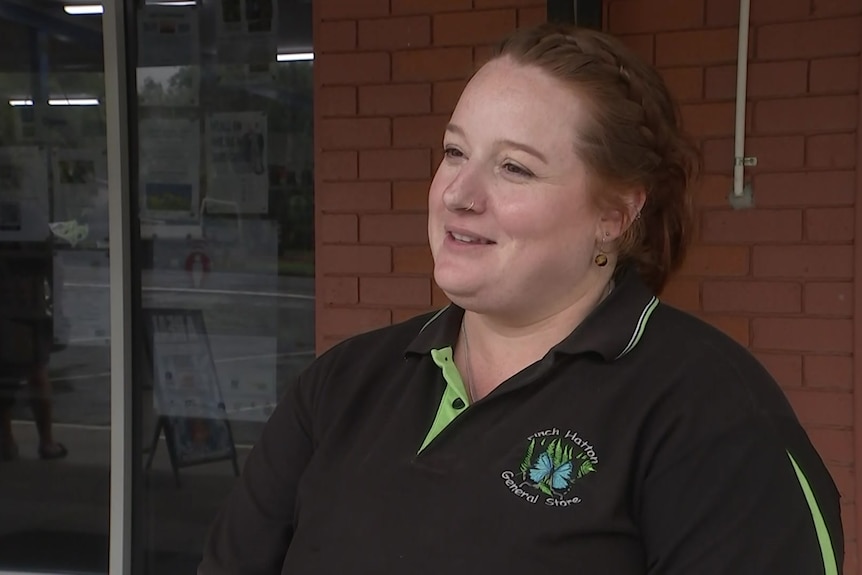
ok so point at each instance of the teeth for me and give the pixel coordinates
(468, 239)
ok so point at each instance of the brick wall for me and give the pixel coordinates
(780, 278)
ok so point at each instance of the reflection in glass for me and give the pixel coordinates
(54, 316)
(224, 201)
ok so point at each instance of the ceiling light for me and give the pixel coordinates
(20, 102)
(295, 57)
(83, 9)
(73, 102)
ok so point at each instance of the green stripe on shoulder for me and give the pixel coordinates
(435, 316)
(830, 564)
(640, 326)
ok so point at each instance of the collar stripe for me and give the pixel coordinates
(640, 327)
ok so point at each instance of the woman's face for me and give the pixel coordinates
(526, 248)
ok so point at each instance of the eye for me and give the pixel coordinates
(517, 170)
(451, 152)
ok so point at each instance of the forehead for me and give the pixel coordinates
(515, 101)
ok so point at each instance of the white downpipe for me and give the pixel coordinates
(739, 158)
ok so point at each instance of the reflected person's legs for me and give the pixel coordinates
(8, 447)
(40, 403)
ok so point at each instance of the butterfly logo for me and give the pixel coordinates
(552, 467)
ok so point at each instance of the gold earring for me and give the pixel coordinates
(601, 258)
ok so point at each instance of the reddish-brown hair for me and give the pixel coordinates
(634, 138)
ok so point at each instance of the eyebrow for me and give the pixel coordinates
(455, 129)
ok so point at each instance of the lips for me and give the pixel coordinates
(467, 238)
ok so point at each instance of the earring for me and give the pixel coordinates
(601, 258)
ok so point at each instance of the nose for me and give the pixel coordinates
(465, 191)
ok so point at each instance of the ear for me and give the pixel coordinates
(616, 221)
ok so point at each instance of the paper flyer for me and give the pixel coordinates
(169, 168)
(237, 171)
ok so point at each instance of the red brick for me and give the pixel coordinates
(845, 481)
(354, 197)
(354, 133)
(339, 36)
(340, 290)
(778, 10)
(335, 101)
(827, 8)
(712, 190)
(410, 195)
(765, 79)
(410, 229)
(722, 14)
(654, 15)
(428, 6)
(395, 33)
(809, 39)
(395, 99)
(819, 408)
(828, 371)
(339, 9)
(751, 296)
(696, 47)
(686, 84)
(394, 164)
(339, 229)
(804, 334)
(644, 46)
(736, 327)
(438, 298)
(751, 226)
(833, 445)
(394, 291)
(432, 64)
(714, 261)
(483, 54)
(712, 119)
(446, 95)
(419, 131)
(351, 321)
(364, 68)
(831, 151)
(337, 165)
(785, 368)
(354, 259)
(803, 261)
(683, 294)
(806, 115)
(532, 16)
(472, 28)
(829, 224)
(481, 4)
(805, 189)
(412, 260)
(835, 75)
(829, 299)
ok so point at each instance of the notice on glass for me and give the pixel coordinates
(78, 198)
(169, 168)
(237, 162)
(247, 31)
(24, 205)
(168, 36)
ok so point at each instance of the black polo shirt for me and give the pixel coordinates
(646, 442)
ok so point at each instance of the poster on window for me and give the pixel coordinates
(246, 31)
(24, 201)
(80, 201)
(168, 36)
(237, 177)
(169, 168)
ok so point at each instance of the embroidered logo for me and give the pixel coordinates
(553, 462)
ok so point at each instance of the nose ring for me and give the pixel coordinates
(470, 207)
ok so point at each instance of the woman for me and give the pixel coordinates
(556, 418)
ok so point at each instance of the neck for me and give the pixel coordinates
(499, 348)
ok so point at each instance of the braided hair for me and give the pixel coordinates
(632, 139)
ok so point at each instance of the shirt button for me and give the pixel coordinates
(458, 403)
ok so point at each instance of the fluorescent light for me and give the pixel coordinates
(83, 9)
(73, 102)
(175, 3)
(20, 102)
(295, 57)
